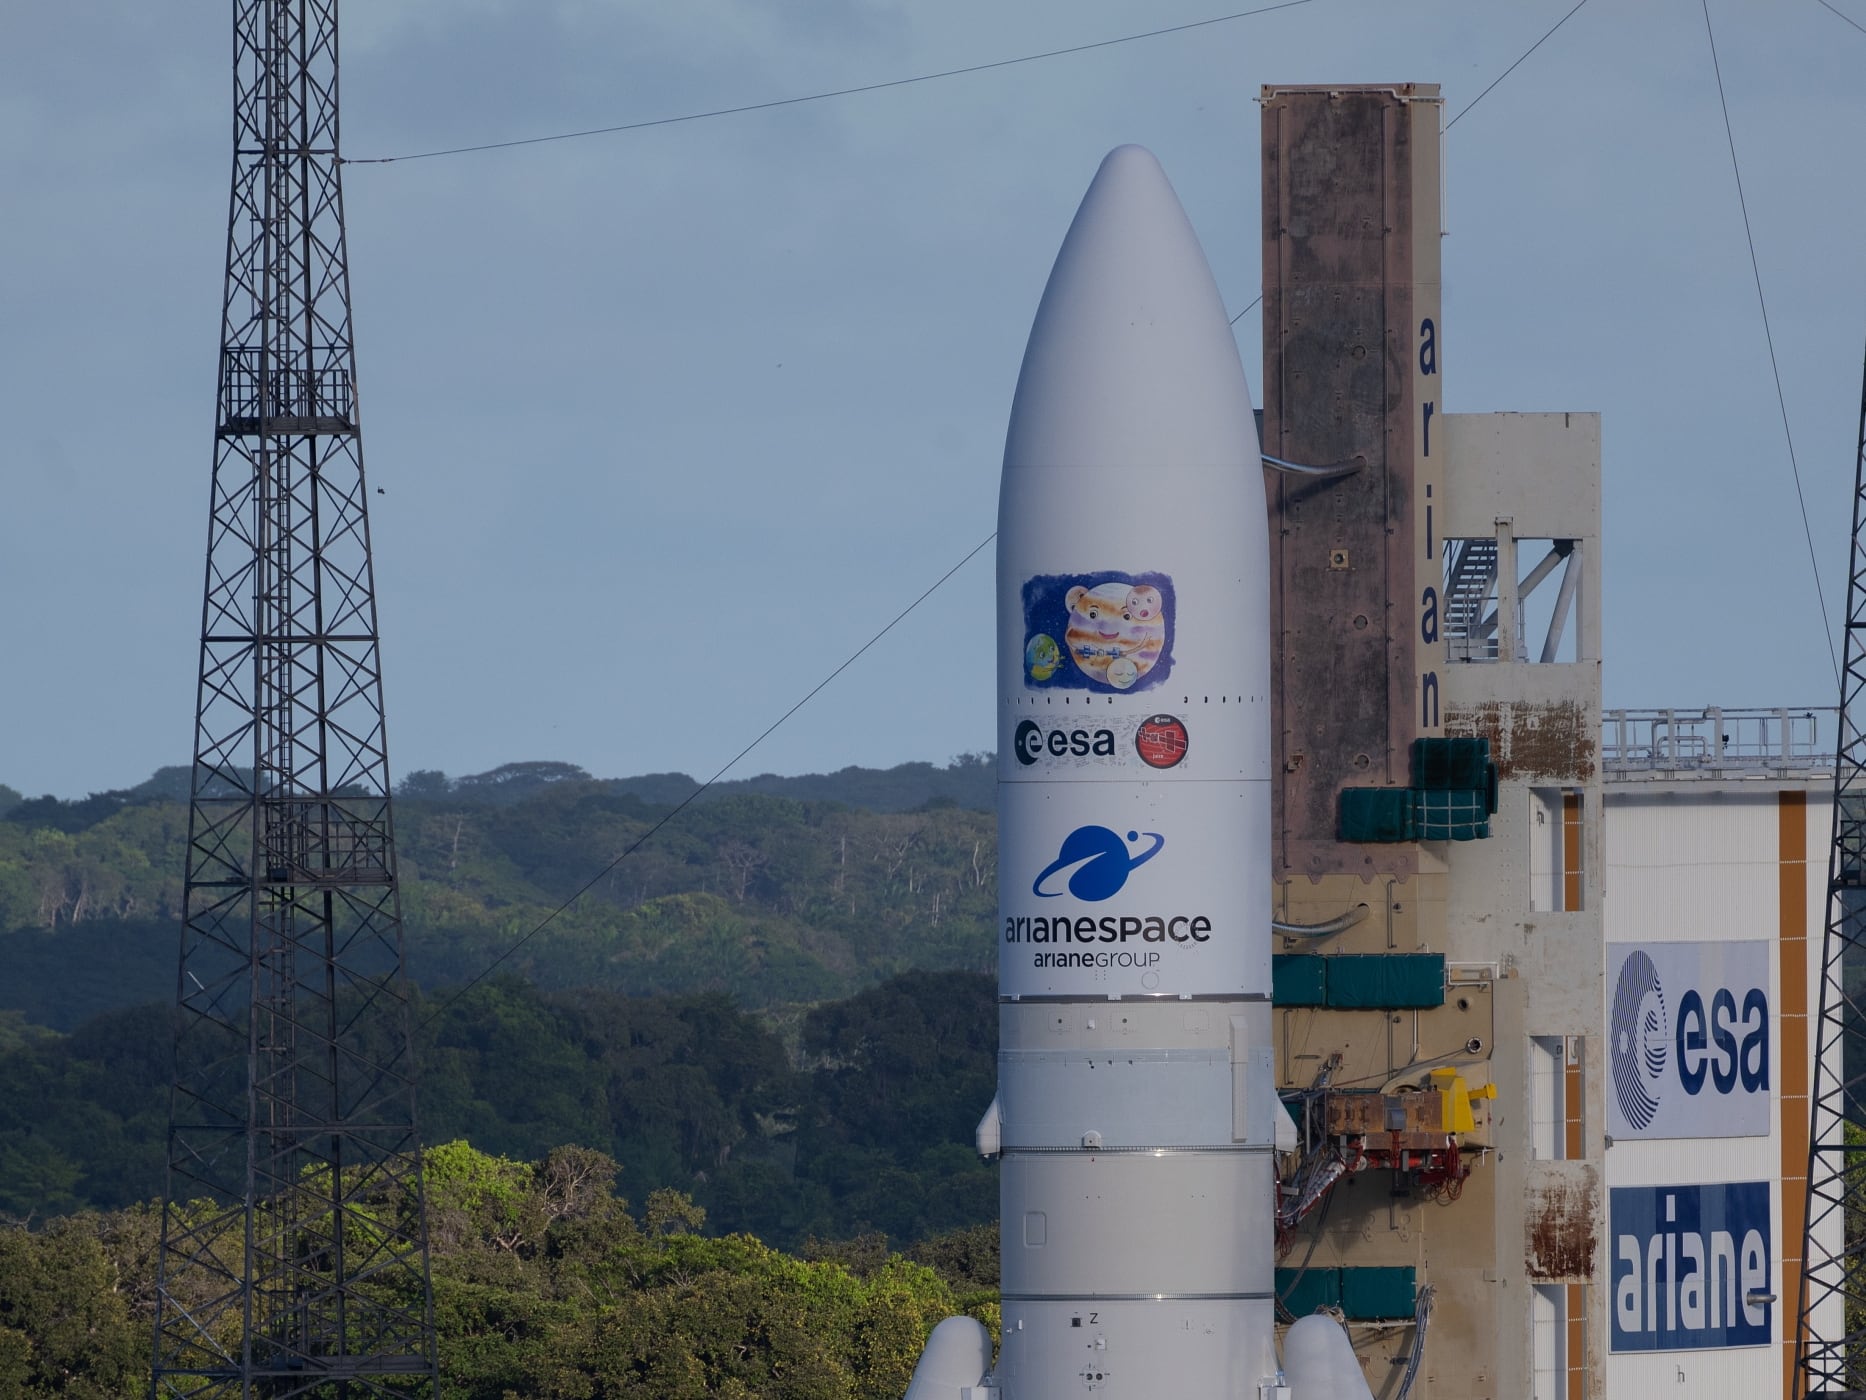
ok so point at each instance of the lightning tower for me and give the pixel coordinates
(1831, 1317)
(294, 1247)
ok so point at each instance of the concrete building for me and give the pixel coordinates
(1436, 683)
(1545, 977)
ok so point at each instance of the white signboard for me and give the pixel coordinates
(1688, 1040)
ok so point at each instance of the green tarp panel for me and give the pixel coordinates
(1375, 1294)
(1298, 979)
(1451, 815)
(1452, 797)
(1305, 1290)
(1377, 814)
(1385, 981)
(1439, 765)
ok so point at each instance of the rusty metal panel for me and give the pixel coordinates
(1556, 741)
(1407, 1114)
(1340, 270)
(1561, 1223)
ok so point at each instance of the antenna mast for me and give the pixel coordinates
(1830, 1332)
(294, 1257)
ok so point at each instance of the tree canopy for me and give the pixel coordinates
(547, 1283)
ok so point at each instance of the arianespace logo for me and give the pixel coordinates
(1688, 1040)
(1094, 864)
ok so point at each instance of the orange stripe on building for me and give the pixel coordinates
(1572, 875)
(1792, 1042)
(1572, 1143)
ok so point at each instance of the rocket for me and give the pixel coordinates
(1136, 1110)
(1136, 1119)
(1136, 1093)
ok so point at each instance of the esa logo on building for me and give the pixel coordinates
(1688, 1040)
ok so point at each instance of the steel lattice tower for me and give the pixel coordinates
(294, 1247)
(1831, 1318)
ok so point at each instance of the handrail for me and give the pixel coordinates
(1340, 924)
(1314, 473)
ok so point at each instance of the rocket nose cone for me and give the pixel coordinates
(1131, 361)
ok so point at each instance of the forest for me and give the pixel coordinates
(769, 1025)
(862, 1123)
(771, 897)
(547, 1284)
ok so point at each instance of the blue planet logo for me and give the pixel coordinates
(1094, 863)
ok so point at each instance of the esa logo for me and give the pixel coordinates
(1708, 1047)
(1032, 741)
(1158, 740)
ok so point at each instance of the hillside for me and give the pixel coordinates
(866, 1125)
(774, 891)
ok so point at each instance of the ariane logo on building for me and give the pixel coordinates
(1108, 632)
(1691, 1266)
(1094, 864)
(1701, 1070)
(1159, 741)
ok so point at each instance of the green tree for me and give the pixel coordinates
(65, 1330)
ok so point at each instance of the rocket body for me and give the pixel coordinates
(1136, 1104)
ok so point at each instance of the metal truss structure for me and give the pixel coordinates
(294, 1255)
(1830, 1335)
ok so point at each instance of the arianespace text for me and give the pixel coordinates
(1108, 928)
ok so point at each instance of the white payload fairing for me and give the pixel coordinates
(1136, 1113)
(1136, 1101)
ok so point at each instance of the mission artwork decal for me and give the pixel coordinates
(1107, 632)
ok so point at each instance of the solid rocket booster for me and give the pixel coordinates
(1136, 1100)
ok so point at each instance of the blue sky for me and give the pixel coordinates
(669, 422)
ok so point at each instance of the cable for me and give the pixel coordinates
(688, 800)
(1854, 23)
(1513, 67)
(1321, 1219)
(1240, 316)
(1421, 1315)
(825, 96)
(1781, 399)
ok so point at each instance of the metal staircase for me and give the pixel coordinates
(1470, 590)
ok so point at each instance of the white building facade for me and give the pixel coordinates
(1716, 834)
